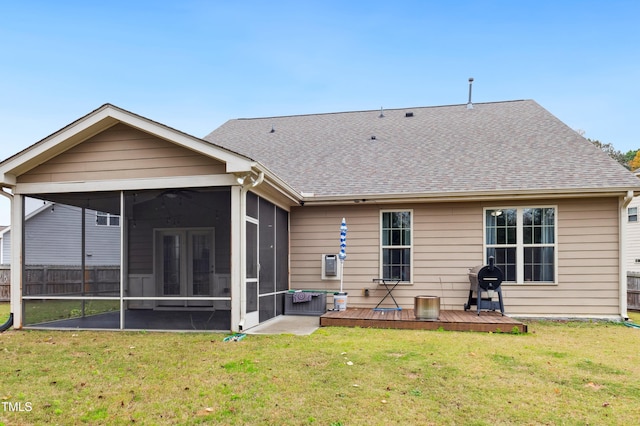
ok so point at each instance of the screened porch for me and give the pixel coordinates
(152, 259)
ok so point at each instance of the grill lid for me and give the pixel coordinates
(490, 277)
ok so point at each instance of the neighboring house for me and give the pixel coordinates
(53, 235)
(632, 259)
(2, 230)
(232, 221)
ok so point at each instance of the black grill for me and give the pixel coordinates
(485, 280)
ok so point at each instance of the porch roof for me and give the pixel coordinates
(101, 119)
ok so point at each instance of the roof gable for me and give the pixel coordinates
(100, 120)
(123, 152)
(500, 147)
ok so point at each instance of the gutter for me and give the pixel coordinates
(312, 199)
(284, 188)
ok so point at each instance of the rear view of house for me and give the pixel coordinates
(431, 192)
(214, 232)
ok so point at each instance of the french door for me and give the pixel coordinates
(185, 266)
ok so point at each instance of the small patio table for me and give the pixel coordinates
(389, 285)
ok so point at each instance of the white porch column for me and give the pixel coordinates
(124, 258)
(238, 272)
(17, 231)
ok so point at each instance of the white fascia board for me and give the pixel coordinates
(466, 196)
(55, 144)
(282, 186)
(100, 120)
(234, 162)
(7, 180)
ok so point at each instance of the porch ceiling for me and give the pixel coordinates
(109, 202)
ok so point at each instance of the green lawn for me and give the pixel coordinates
(4, 311)
(37, 311)
(573, 373)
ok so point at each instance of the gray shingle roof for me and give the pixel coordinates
(500, 146)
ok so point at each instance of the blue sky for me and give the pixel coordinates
(193, 65)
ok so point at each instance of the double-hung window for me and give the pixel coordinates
(523, 243)
(632, 214)
(396, 242)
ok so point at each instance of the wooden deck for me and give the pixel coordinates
(487, 321)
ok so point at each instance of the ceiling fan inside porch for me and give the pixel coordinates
(176, 193)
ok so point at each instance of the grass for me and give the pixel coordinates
(573, 373)
(37, 311)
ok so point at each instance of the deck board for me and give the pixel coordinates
(487, 321)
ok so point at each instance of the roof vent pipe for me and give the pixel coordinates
(469, 104)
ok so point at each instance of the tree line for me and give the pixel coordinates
(629, 159)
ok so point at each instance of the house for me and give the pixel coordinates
(632, 260)
(55, 247)
(215, 231)
(57, 239)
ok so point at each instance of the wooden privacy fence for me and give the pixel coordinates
(41, 280)
(633, 291)
(5, 284)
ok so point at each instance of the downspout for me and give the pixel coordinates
(622, 256)
(4, 327)
(258, 181)
(242, 259)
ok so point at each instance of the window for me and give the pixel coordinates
(107, 219)
(396, 241)
(522, 242)
(632, 213)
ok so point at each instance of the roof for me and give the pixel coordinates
(99, 120)
(513, 146)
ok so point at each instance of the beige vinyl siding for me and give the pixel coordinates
(122, 152)
(588, 264)
(448, 240)
(446, 243)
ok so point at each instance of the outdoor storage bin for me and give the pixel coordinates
(317, 305)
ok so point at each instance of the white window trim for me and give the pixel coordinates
(382, 247)
(520, 245)
(629, 214)
(108, 216)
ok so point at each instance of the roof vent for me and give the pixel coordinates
(373, 137)
(408, 114)
(469, 104)
(273, 129)
(381, 113)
